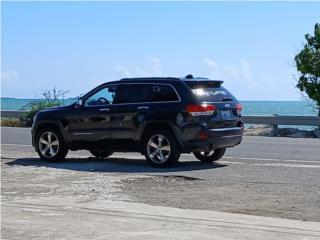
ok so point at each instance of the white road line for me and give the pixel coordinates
(272, 159)
(272, 164)
(18, 145)
(267, 159)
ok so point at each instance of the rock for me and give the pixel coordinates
(316, 133)
(265, 130)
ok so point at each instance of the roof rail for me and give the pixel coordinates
(149, 78)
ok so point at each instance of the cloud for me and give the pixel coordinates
(9, 76)
(153, 68)
(239, 74)
(123, 70)
(155, 65)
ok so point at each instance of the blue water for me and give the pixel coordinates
(292, 108)
(19, 104)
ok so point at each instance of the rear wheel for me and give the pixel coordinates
(210, 156)
(101, 154)
(161, 148)
(50, 145)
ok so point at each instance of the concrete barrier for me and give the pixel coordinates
(11, 113)
(282, 120)
(273, 120)
(276, 120)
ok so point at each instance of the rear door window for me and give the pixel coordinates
(132, 93)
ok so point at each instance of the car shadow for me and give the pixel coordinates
(121, 165)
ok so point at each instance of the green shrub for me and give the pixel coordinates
(52, 98)
(26, 118)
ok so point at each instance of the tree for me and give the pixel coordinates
(308, 65)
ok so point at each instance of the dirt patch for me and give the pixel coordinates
(262, 199)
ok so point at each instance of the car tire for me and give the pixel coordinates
(101, 154)
(211, 156)
(161, 148)
(50, 145)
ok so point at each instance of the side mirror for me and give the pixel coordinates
(80, 102)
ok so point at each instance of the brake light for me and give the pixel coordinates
(238, 109)
(203, 109)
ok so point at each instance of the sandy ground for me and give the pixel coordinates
(126, 177)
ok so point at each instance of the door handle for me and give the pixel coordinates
(104, 109)
(143, 107)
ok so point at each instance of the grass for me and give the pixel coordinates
(10, 122)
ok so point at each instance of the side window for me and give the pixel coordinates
(162, 93)
(104, 96)
(137, 93)
(132, 93)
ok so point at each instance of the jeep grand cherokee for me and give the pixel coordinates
(158, 117)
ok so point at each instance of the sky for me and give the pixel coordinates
(74, 46)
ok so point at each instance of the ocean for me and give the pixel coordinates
(290, 108)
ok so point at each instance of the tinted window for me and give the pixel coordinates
(212, 94)
(210, 91)
(136, 93)
(132, 93)
(161, 93)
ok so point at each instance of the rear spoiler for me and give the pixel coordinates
(203, 83)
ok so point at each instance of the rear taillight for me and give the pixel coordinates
(238, 109)
(199, 110)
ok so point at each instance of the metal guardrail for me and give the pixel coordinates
(273, 120)
(282, 120)
(11, 113)
(276, 120)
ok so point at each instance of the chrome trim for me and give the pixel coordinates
(82, 133)
(115, 104)
(229, 136)
(224, 129)
(104, 109)
(143, 107)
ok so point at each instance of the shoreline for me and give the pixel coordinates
(266, 130)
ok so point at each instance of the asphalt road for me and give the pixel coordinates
(281, 148)
(266, 176)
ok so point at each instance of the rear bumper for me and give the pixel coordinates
(216, 138)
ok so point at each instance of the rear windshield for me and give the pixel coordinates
(212, 94)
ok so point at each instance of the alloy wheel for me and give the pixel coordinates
(48, 144)
(158, 148)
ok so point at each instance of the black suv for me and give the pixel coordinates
(158, 117)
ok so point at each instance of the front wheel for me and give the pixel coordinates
(50, 145)
(210, 156)
(161, 148)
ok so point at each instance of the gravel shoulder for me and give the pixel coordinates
(275, 189)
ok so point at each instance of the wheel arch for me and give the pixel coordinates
(49, 124)
(148, 126)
